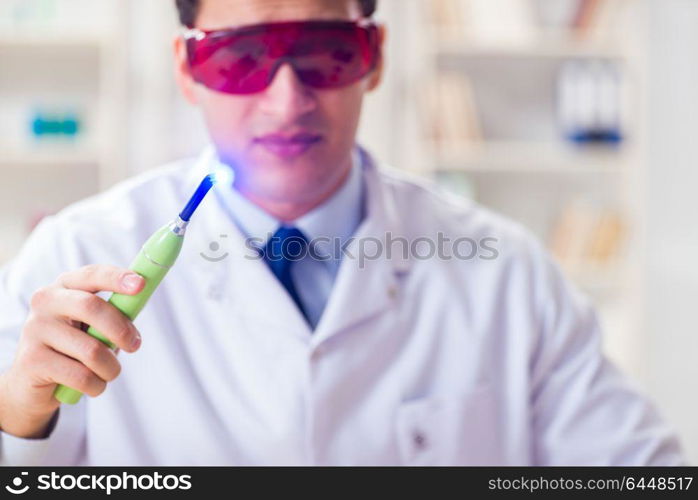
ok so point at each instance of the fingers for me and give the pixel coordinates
(92, 310)
(57, 368)
(98, 278)
(75, 344)
(55, 350)
(77, 376)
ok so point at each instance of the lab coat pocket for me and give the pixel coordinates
(458, 429)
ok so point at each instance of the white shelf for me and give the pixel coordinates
(534, 50)
(53, 40)
(507, 157)
(544, 44)
(49, 156)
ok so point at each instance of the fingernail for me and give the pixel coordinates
(136, 342)
(131, 281)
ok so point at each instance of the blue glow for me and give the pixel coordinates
(223, 175)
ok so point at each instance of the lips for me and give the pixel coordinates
(287, 146)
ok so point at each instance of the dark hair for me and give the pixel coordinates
(188, 10)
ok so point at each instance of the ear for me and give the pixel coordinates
(184, 80)
(376, 76)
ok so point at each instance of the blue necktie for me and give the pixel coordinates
(287, 245)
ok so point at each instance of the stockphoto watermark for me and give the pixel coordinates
(363, 249)
(97, 482)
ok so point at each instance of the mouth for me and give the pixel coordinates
(288, 146)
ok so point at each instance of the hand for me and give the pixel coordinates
(54, 348)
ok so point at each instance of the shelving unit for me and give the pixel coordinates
(523, 167)
(59, 55)
(547, 45)
(528, 157)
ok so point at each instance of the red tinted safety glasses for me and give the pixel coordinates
(324, 54)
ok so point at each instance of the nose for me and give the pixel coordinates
(287, 98)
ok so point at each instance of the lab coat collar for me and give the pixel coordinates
(244, 285)
(239, 287)
(366, 288)
(254, 222)
(338, 217)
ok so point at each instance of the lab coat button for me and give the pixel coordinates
(419, 439)
(215, 293)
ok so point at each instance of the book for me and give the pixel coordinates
(499, 22)
(587, 11)
(587, 236)
(609, 233)
(449, 111)
(445, 12)
(599, 20)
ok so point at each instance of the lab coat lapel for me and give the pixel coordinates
(257, 293)
(366, 286)
(241, 283)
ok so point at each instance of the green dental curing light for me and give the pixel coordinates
(156, 257)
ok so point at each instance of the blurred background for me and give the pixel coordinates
(574, 117)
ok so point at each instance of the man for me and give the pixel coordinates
(378, 354)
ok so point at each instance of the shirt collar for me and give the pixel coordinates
(336, 219)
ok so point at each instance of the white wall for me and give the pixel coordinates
(672, 214)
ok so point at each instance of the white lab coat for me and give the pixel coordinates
(414, 361)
